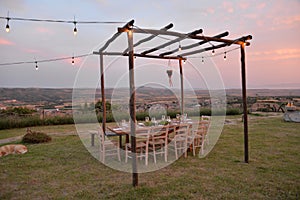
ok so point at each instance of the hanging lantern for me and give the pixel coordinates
(170, 72)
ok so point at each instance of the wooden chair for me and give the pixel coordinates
(142, 145)
(107, 147)
(179, 143)
(198, 136)
(158, 143)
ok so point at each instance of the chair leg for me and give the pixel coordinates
(176, 153)
(118, 152)
(194, 147)
(166, 153)
(154, 153)
(126, 154)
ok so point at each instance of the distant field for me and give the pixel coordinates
(63, 169)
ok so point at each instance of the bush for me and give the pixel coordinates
(34, 137)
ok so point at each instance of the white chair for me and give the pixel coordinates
(158, 143)
(107, 147)
(198, 137)
(142, 145)
(179, 143)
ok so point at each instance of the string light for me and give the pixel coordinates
(213, 52)
(179, 47)
(7, 25)
(36, 66)
(225, 55)
(7, 28)
(44, 61)
(75, 29)
(73, 62)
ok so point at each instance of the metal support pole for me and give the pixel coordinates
(132, 108)
(245, 111)
(181, 87)
(103, 94)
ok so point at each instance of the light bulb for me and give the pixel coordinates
(75, 29)
(7, 28)
(213, 52)
(225, 56)
(179, 48)
(184, 61)
(73, 62)
(36, 66)
(202, 60)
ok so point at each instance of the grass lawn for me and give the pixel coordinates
(6, 133)
(63, 169)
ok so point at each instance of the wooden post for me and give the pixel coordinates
(245, 111)
(132, 108)
(103, 94)
(181, 87)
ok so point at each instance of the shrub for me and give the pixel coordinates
(34, 137)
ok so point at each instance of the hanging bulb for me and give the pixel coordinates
(213, 52)
(75, 29)
(7, 26)
(36, 66)
(225, 55)
(73, 62)
(184, 61)
(202, 60)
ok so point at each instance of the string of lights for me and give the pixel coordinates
(215, 54)
(47, 60)
(75, 22)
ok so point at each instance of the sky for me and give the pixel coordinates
(272, 59)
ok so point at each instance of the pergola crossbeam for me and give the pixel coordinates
(193, 45)
(172, 42)
(109, 41)
(169, 26)
(140, 55)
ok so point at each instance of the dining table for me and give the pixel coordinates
(126, 131)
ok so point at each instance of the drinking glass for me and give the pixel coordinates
(146, 119)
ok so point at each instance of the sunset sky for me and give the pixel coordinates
(272, 59)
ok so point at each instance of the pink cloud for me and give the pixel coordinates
(27, 50)
(43, 30)
(261, 6)
(278, 54)
(6, 42)
(289, 20)
(228, 6)
(244, 5)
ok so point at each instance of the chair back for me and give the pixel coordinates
(160, 132)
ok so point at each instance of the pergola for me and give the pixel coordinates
(174, 54)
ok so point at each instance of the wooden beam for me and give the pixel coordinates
(109, 41)
(197, 37)
(132, 109)
(181, 87)
(203, 50)
(245, 110)
(172, 42)
(140, 55)
(103, 94)
(149, 38)
(193, 45)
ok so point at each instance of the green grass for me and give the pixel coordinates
(7, 133)
(63, 169)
